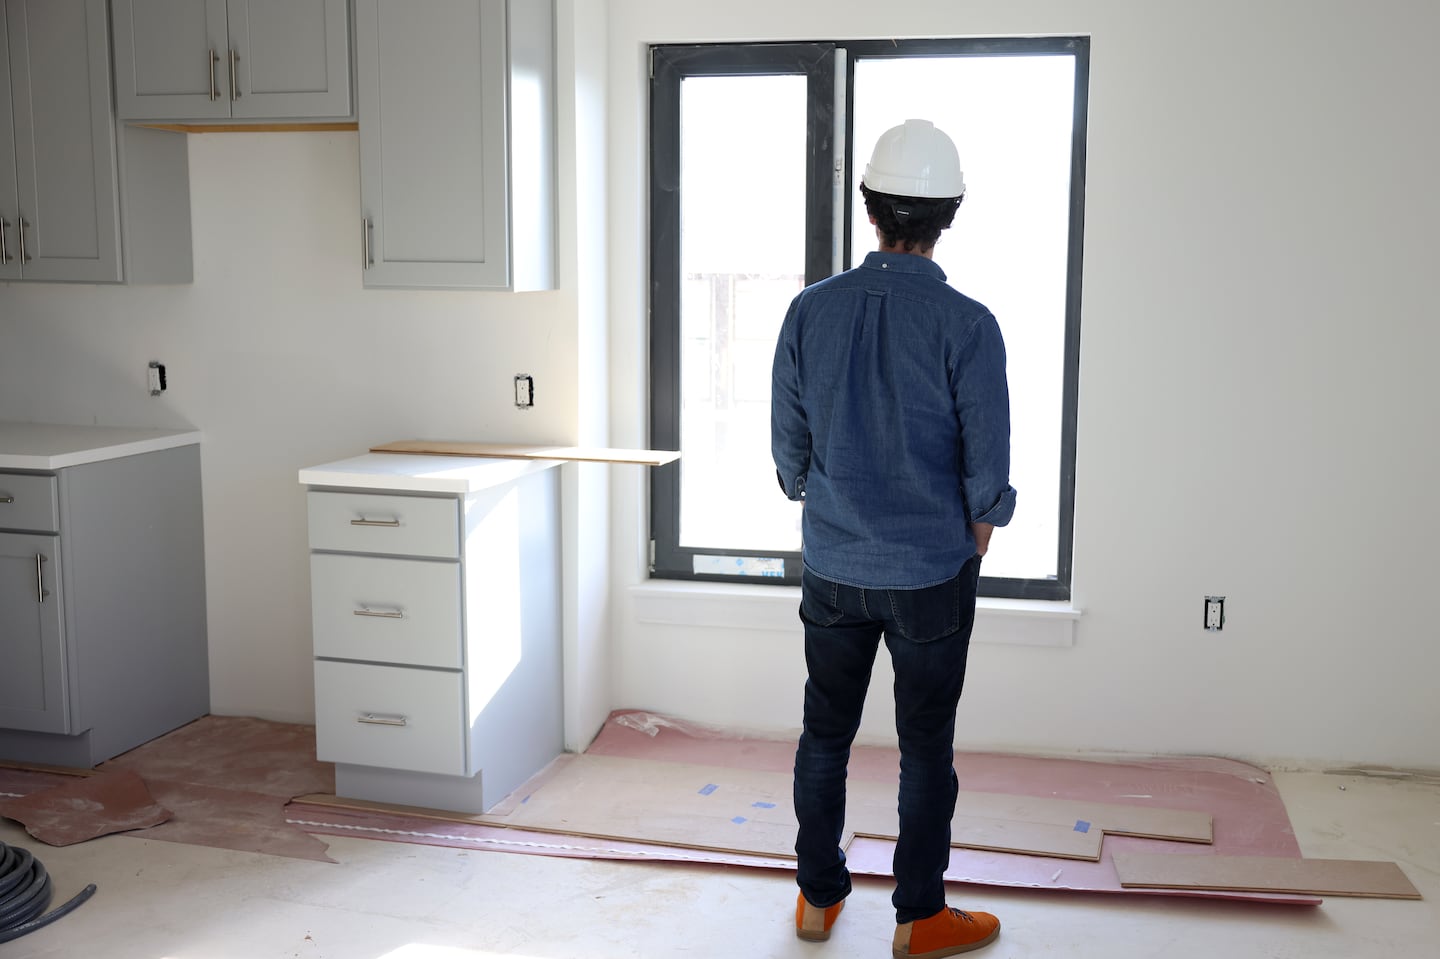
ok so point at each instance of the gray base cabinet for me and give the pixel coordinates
(240, 60)
(102, 606)
(79, 200)
(436, 624)
(457, 168)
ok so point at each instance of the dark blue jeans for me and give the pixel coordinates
(928, 634)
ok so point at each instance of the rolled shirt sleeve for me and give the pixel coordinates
(982, 405)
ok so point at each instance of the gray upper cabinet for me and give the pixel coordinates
(235, 60)
(455, 101)
(80, 200)
(59, 199)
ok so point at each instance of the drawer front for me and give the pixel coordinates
(378, 523)
(29, 502)
(390, 716)
(404, 611)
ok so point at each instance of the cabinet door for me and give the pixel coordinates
(33, 687)
(432, 111)
(9, 198)
(64, 140)
(171, 60)
(292, 58)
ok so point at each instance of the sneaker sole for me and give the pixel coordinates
(948, 950)
(811, 936)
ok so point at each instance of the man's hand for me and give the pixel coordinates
(982, 533)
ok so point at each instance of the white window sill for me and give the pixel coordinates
(1009, 622)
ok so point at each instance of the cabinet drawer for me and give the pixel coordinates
(29, 502)
(377, 523)
(403, 611)
(390, 716)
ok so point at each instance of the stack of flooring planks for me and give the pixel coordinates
(750, 812)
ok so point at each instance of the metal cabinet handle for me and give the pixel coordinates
(7, 499)
(24, 256)
(214, 59)
(374, 522)
(367, 227)
(379, 613)
(234, 60)
(5, 256)
(379, 720)
(39, 579)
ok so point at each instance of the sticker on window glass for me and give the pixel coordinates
(739, 565)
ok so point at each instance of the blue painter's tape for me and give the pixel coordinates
(738, 820)
(708, 789)
(1082, 826)
(763, 805)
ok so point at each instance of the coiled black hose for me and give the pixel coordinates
(25, 892)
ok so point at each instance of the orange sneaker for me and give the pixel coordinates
(813, 923)
(947, 933)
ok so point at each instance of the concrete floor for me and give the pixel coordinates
(160, 900)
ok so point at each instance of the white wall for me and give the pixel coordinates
(1256, 404)
(1257, 399)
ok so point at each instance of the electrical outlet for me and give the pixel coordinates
(1214, 613)
(155, 376)
(524, 391)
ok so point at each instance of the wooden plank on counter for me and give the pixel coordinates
(251, 127)
(579, 454)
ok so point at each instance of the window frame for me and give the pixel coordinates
(670, 65)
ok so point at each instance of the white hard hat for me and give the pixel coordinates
(915, 159)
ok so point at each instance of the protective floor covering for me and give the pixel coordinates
(1249, 817)
(225, 780)
(84, 807)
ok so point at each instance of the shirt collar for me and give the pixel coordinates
(903, 263)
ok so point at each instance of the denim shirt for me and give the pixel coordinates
(890, 418)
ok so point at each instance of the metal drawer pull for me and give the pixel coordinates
(367, 228)
(24, 256)
(5, 256)
(374, 720)
(7, 499)
(234, 90)
(374, 522)
(214, 59)
(39, 579)
(379, 613)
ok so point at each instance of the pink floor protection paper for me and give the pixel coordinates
(1248, 813)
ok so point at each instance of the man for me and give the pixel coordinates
(890, 419)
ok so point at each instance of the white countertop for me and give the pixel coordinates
(48, 446)
(420, 473)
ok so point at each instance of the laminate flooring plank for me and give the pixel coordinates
(1318, 877)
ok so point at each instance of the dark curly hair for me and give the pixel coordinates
(911, 221)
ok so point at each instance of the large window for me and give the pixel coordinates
(756, 153)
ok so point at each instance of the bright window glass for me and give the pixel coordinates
(742, 259)
(1011, 118)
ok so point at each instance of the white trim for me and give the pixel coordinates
(1009, 622)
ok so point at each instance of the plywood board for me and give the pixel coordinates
(1115, 819)
(991, 835)
(579, 454)
(1060, 817)
(702, 806)
(1318, 877)
(252, 127)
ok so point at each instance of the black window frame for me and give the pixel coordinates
(671, 64)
